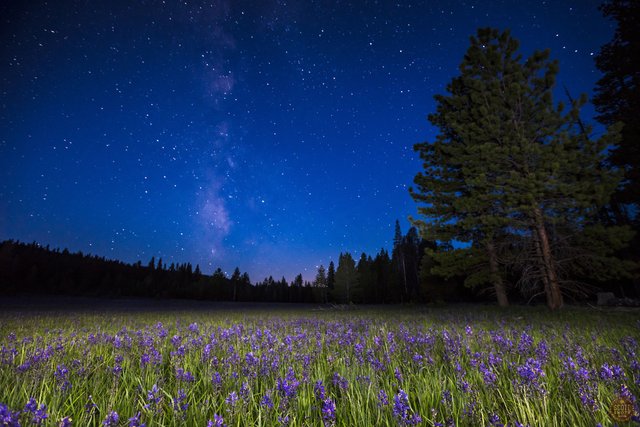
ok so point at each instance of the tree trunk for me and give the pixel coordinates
(496, 278)
(551, 284)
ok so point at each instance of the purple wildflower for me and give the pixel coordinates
(494, 420)
(447, 399)
(402, 411)
(398, 374)
(288, 386)
(111, 420)
(488, 376)
(218, 421)
(328, 412)
(319, 390)
(37, 413)
(383, 399)
(154, 397)
(179, 403)
(62, 377)
(135, 421)
(8, 417)
(232, 399)
(65, 422)
(530, 375)
(339, 381)
(266, 401)
(90, 407)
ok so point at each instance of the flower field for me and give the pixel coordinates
(462, 366)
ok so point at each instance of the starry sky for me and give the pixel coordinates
(265, 134)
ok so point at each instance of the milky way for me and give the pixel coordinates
(266, 135)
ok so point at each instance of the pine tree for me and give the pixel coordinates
(235, 281)
(617, 99)
(321, 278)
(362, 292)
(508, 163)
(399, 262)
(331, 276)
(320, 285)
(346, 278)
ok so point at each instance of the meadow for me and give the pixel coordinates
(214, 365)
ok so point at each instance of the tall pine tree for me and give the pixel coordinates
(617, 99)
(509, 164)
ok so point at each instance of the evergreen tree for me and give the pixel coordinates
(617, 99)
(507, 162)
(362, 291)
(236, 278)
(346, 279)
(382, 272)
(399, 262)
(320, 283)
(321, 278)
(331, 276)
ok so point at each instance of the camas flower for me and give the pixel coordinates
(37, 413)
(328, 412)
(8, 417)
(402, 411)
(65, 422)
(135, 421)
(111, 420)
(218, 421)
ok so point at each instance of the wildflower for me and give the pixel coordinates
(398, 374)
(266, 401)
(64, 422)
(402, 410)
(613, 372)
(288, 386)
(328, 412)
(135, 421)
(525, 343)
(90, 406)
(37, 413)
(339, 381)
(111, 420)
(488, 375)
(179, 403)
(182, 375)
(284, 421)
(154, 397)
(62, 377)
(218, 421)
(144, 360)
(8, 417)
(494, 420)
(530, 375)
(319, 391)
(232, 399)
(446, 398)
(216, 380)
(383, 399)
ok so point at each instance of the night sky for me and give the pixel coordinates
(268, 135)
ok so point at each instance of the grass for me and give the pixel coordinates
(462, 365)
